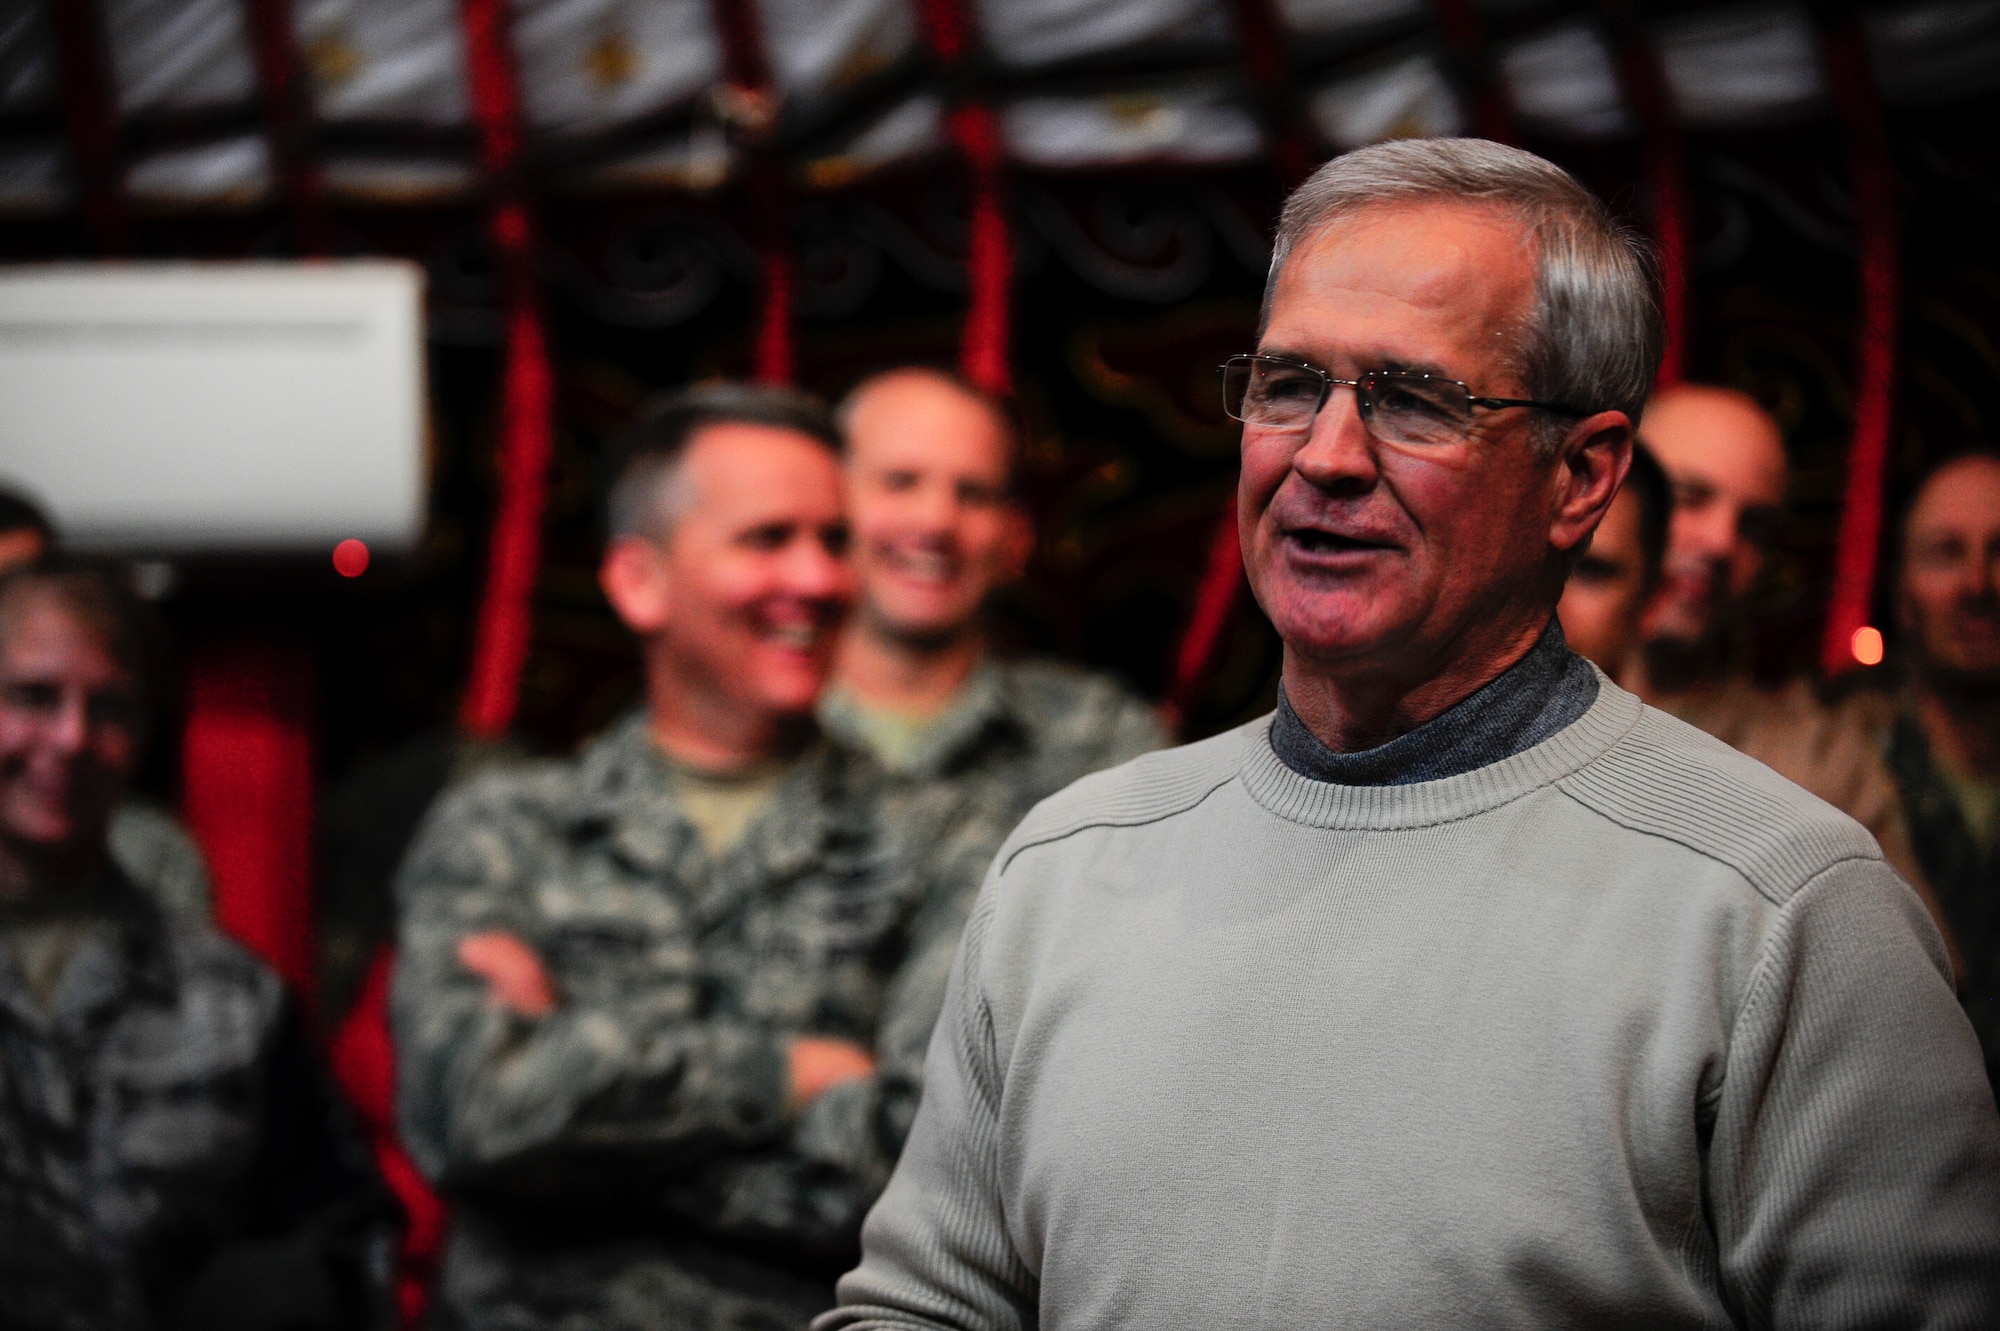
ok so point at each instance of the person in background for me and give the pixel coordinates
(1465, 989)
(150, 845)
(1725, 457)
(171, 1155)
(1943, 738)
(1603, 606)
(638, 993)
(970, 741)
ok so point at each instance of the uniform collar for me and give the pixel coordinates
(986, 706)
(625, 793)
(131, 959)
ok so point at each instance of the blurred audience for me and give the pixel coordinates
(971, 741)
(1603, 606)
(1943, 734)
(639, 993)
(150, 845)
(170, 1153)
(1725, 458)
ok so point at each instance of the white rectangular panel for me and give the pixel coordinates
(181, 408)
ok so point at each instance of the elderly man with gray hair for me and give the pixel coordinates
(1465, 990)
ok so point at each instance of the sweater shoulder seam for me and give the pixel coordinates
(1191, 801)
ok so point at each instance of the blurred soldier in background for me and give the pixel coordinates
(1943, 737)
(937, 530)
(970, 742)
(170, 1154)
(152, 848)
(639, 992)
(1603, 606)
(1725, 456)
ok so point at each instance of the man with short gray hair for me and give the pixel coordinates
(1465, 990)
(641, 994)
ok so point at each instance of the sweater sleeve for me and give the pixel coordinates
(1854, 1167)
(935, 1249)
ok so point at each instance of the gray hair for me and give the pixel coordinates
(1594, 338)
(646, 461)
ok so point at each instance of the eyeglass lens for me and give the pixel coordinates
(1397, 408)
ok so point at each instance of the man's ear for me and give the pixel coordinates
(635, 580)
(1595, 456)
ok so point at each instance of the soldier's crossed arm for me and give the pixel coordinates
(594, 1096)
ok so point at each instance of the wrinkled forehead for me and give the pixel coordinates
(1457, 276)
(1961, 500)
(43, 623)
(924, 421)
(738, 474)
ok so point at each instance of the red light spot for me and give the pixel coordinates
(350, 558)
(1866, 644)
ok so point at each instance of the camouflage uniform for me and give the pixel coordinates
(630, 1160)
(164, 1134)
(1017, 733)
(157, 853)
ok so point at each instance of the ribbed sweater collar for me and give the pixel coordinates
(1529, 701)
(1300, 799)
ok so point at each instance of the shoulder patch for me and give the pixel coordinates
(1667, 779)
(1148, 788)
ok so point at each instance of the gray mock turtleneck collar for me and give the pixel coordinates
(1531, 700)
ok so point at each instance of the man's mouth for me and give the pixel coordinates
(932, 566)
(797, 636)
(1314, 541)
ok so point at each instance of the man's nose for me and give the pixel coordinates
(814, 571)
(69, 728)
(1339, 453)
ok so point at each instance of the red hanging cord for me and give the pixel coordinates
(90, 114)
(985, 349)
(1472, 69)
(1872, 172)
(1220, 591)
(1644, 84)
(287, 121)
(500, 640)
(751, 101)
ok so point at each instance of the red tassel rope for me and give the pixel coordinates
(1644, 84)
(1215, 602)
(974, 127)
(989, 257)
(1261, 35)
(500, 640)
(1873, 174)
(1472, 69)
(363, 1056)
(747, 66)
(286, 118)
(91, 118)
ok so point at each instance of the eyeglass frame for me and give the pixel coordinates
(1328, 383)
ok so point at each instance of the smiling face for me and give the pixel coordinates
(934, 528)
(69, 726)
(1378, 558)
(1951, 571)
(1726, 460)
(740, 600)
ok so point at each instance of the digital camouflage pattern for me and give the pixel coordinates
(160, 1116)
(159, 856)
(630, 1161)
(1017, 733)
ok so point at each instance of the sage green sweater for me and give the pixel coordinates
(1620, 1030)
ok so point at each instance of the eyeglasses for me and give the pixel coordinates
(1398, 407)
